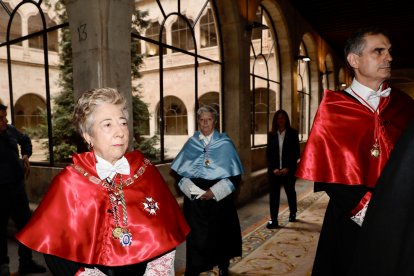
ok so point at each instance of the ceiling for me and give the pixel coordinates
(335, 20)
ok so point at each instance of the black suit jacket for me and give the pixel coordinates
(290, 151)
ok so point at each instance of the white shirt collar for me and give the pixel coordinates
(370, 98)
(207, 138)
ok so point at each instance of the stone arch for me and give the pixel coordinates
(30, 111)
(175, 116)
(211, 98)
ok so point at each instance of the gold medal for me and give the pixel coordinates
(375, 151)
(117, 232)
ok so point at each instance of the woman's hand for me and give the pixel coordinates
(280, 172)
(207, 195)
(284, 171)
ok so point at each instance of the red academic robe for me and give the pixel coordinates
(74, 220)
(338, 148)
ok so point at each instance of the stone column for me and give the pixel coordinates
(236, 94)
(101, 45)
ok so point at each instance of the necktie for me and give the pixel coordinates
(106, 169)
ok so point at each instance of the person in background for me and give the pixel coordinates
(282, 156)
(208, 171)
(14, 203)
(352, 137)
(110, 212)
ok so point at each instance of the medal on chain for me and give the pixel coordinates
(116, 197)
(205, 151)
(375, 150)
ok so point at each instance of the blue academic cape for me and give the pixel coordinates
(223, 160)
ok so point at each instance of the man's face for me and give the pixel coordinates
(3, 120)
(373, 65)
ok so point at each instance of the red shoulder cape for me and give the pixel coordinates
(73, 220)
(342, 135)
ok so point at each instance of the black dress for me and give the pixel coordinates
(215, 235)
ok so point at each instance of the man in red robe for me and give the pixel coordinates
(353, 134)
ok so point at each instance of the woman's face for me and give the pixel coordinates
(281, 121)
(109, 133)
(206, 123)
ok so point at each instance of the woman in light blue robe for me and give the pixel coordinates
(208, 171)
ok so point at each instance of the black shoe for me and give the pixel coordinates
(272, 225)
(292, 217)
(31, 267)
(224, 268)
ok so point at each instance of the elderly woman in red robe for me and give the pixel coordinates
(110, 212)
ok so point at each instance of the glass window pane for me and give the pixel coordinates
(15, 28)
(265, 78)
(174, 88)
(208, 37)
(181, 34)
(35, 25)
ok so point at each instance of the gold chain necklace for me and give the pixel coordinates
(116, 197)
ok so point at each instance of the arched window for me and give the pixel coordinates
(30, 111)
(175, 115)
(182, 36)
(262, 98)
(208, 37)
(30, 117)
(16, 25)
(211, 99)
(35, 25)
(36, 70)
(303, 84)
(265, 77)
(153, 33)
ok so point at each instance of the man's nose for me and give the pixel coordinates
(388, 56)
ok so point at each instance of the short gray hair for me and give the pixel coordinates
(86, 105)
(356, 42)
(210, 109)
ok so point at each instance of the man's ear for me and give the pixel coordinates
(353, 60)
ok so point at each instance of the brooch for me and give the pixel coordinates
(150, 205)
